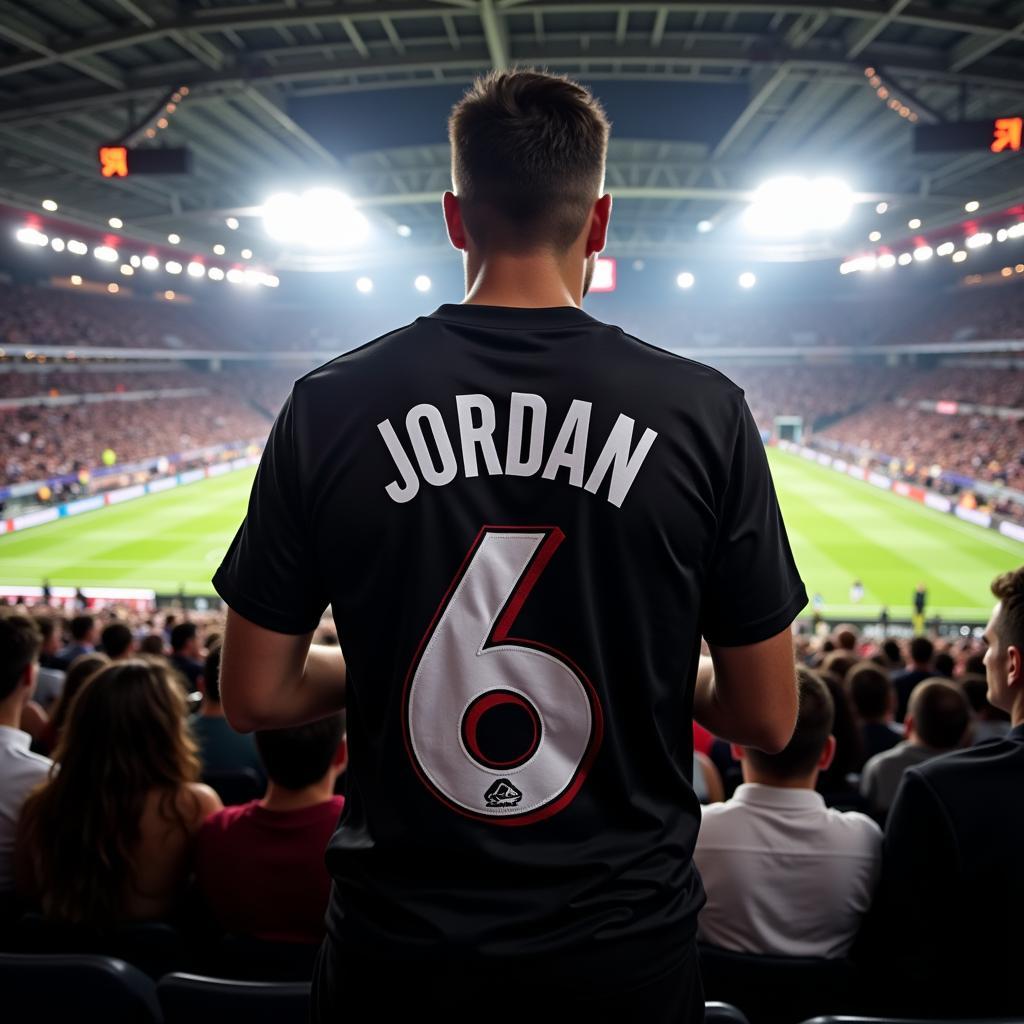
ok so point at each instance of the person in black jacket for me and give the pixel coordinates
(945, 933)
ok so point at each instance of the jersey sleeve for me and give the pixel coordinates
(752, 589)
(269, 573)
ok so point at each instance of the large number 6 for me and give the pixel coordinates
(499, 728)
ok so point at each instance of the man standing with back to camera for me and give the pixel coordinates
(523, 520)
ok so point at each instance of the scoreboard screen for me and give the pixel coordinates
(997, 135)
(123, 161)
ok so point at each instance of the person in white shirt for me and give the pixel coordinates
(784, 874)
(20, 770)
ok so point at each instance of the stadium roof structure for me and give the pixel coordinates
(77, 73)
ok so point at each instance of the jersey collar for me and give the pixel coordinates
(512, 317)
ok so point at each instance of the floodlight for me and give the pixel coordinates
(795, 205)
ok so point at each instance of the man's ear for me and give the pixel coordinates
(827, 754)
(453, 220)
(1015, 667)
(340, 760)
(600, 215)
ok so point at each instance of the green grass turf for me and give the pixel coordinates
(841, 529)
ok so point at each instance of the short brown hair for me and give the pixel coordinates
(1009, 589)
(940, 712)
(20, 641)
(870, 689)
(813, 728)
(528, 156)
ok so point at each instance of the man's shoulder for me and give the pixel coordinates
(952, 775)
(227, 820)
(24, 762)
(854, 830)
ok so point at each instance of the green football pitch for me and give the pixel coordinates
(841, 529)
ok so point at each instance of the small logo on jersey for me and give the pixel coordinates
(503, 794)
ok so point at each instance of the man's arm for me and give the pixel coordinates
(747, 694)
(272, 680)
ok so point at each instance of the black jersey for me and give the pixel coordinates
(523, 521)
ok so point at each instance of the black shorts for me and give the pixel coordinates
(354, 988)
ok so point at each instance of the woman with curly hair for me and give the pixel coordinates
(108, 838)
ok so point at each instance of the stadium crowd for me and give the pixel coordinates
(161, 811)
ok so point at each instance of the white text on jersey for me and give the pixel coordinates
(477, 421)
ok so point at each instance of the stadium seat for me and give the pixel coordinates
(42, 987)
(238, 786)
(776, 990)
(193, 999)
(722, 1013)
(152, 947)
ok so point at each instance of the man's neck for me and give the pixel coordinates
(211, 708)
(754, 777)
(280, 799)
(10, 711)
(528, 281)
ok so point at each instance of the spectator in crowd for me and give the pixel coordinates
(261, 865)
(117, 641)
(220, 747)
(922, 650)
(945, 931)
(81, 669)
(837, 781)
(874, 700)
(989, 722)
(83, 639)
(20, 769)
(945, 664)
(890, 650)
(109, 837)
(784, 874)
(50, 679)
(937, 719)
(152, 644)
(185, 653)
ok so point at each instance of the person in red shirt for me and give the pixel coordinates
(261, 865)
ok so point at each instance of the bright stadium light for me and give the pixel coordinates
(422, 283)
(685, 280)
(914, 223)
(116, 223)
(922, 253)
(881, 207)
(235, 276)
(232, 223)
(875, 236)
(319, 218)
(219, 249)
(150, 263)
(972, 206)
(57, 244)
(30, 236)
(49, 204)
(105, 253)
(946, 249)
(980, 239)
(77, 248)
(886, 261)
(904, 259)
(173, 238)
(1002, 235)
(113, 288)
(1017, 231)
(247, 254)
(127, 270)
(215, 274)
(76, 279)
(169, 295)
(135, 260)
(196, 269)
(794, 205)
(364, 285)
(705, 226)
(172, 267)
(959, 256)
(858, 264)
(747, 279)
(404, 231)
